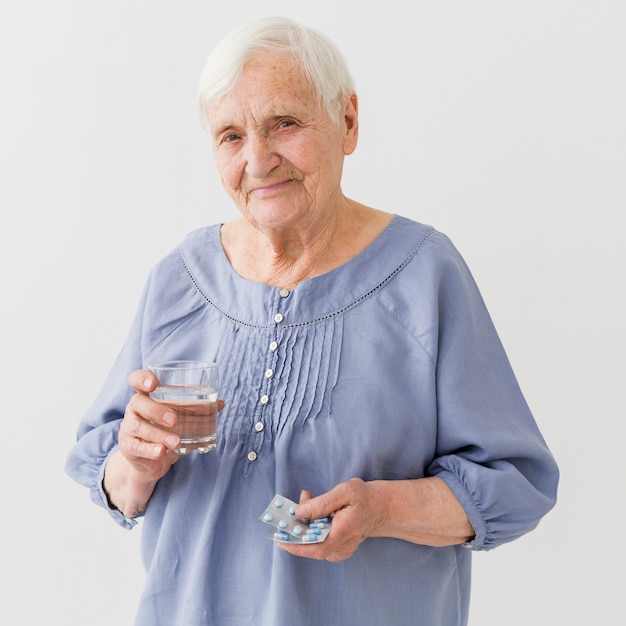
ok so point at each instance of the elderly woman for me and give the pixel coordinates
(361, 375)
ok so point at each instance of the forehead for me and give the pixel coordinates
(275, 67)
(271, 83)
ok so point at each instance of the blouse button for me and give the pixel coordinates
(265, 399)
(278, 318)
(273, 346)
(252, 455)
(259, 426)
(269, 373)
(284, 293)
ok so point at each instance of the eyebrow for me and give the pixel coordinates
(222, 129)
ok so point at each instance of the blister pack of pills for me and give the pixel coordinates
(280, 513)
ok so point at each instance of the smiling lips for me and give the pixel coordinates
(270, 189)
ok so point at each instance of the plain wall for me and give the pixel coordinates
(500, 123)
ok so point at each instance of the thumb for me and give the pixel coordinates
(304, 496)
(312, 508)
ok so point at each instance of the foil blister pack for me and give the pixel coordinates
(280, 513)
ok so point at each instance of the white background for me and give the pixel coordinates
(501, 123)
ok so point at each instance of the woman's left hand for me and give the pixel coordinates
(357, 513)
(422, 511)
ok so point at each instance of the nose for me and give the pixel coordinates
(261, 156)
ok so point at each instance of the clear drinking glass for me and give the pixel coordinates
(191, 389)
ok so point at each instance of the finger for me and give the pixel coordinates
(143, 381)
(151, 460)
(136, 426)
(149, 409)
(309, 551)
(333, 549)
(145, 434)
(320, 506)
(138, 450)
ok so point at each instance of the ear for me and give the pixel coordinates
(351, 124)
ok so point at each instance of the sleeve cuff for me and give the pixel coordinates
(99, 496)
(471, 509)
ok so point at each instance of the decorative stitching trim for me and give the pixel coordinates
(372, 291)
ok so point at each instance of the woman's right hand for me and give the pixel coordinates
(142, 439)
(146, 449)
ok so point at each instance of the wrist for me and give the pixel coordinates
(126, 489)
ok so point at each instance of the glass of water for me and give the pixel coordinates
(191, 389)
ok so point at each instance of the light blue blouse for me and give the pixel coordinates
(387, 367)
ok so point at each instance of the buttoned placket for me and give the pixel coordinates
(265, 398)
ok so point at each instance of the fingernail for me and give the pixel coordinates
(171, 441)
(147, 383)
(169, 418)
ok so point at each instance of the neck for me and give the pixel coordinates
(285, 258)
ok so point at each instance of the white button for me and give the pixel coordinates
(269, 373)
(273, 346)
(278, 318)
(265, 399)
(259, 426)
(252, 455)
(284, 293)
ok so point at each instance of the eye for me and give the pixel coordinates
(285, 123)
(227, 134)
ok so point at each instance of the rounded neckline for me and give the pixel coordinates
(320, 297)
(374, 243)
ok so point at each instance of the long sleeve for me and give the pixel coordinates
(98, 429)
(489, 449)
(168, 301)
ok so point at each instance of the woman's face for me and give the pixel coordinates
(278, 152)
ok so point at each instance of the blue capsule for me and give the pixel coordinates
(281, 536)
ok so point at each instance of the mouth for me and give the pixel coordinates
(270, 189)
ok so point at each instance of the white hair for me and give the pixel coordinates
(316, 54)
